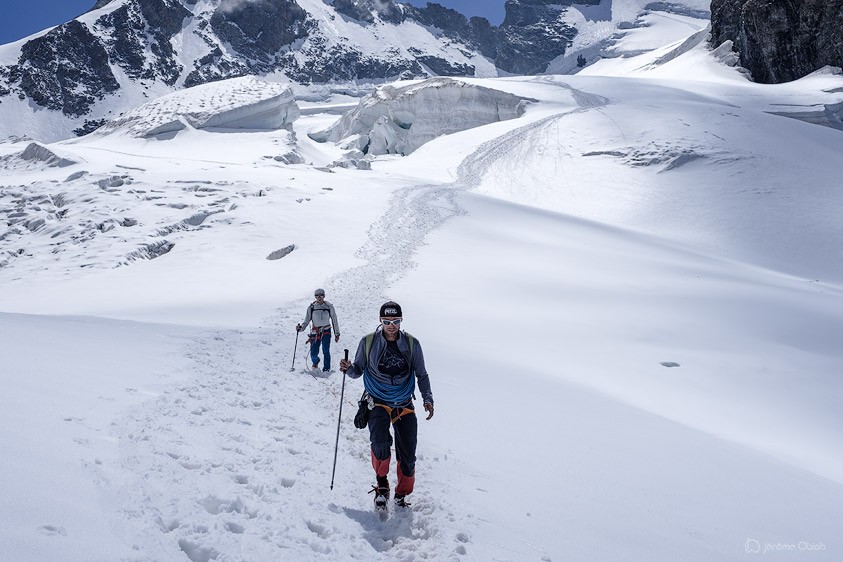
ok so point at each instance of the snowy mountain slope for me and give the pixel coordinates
(612, 30)
(617, 166)
(111, 58)
(69, 80)
(609, 384)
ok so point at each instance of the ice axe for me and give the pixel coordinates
(337, 445)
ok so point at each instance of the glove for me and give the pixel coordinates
(298, 327)
(429, 408)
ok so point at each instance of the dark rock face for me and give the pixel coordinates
(245, 28)
(89, 127)
(69, 68)
(476, 33)
(341, 63)
(780, 40)
(364, 10)
(155, 21)
(215, 66)
(259, 29)
(442, 67)
(531, 35)
(485, 36)
(66, 69)
(356, 9)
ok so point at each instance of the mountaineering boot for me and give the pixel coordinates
(381, 493)
(325, 369)
(400, 501)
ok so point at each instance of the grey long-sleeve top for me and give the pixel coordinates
(322, 315)
(378, 348)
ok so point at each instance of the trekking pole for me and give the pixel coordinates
(337, 446)
(293, 366)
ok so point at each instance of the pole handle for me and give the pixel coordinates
(346, 355)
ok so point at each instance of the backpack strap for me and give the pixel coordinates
(411, 341)
(369, 339)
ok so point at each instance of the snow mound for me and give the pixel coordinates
(239, 103)
(827, 115)
(399, 120)
(35, 156)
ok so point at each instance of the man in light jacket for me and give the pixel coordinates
(323, 315)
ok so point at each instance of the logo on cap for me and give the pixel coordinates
(389, 312)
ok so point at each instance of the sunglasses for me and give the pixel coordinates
(395, 322)
(319, 296)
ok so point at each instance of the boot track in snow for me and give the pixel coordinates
(235, 464)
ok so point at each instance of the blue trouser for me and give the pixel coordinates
(323, 337)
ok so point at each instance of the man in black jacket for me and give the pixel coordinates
(391, 362)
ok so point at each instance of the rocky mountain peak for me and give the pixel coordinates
(83, 68)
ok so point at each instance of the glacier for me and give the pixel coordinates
(668, 244)
(398, 120)
(238, 103)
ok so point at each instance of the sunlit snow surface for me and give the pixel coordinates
(239, 103)
(630, 300)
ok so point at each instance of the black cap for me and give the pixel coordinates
(391, 308)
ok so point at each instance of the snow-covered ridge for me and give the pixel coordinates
(399, 120)
(107, 61)
(35, 156)
(239, 103)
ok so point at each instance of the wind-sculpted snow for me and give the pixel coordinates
(239, 103)
(94, 222)
(400, 120)
(35, 156)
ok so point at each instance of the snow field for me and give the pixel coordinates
(616, 376)
(65, 382)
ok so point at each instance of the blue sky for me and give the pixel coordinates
(492, 10)
(25, 17)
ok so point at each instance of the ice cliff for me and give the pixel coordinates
(239, 103)
(399, 120)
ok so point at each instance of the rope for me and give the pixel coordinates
(397, 395)
(309, 369)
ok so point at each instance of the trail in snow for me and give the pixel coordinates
(235, 465)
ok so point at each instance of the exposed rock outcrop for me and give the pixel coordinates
(780, 40)
(258, 30)
(66, 69)
(532, 34)
(139, 37)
